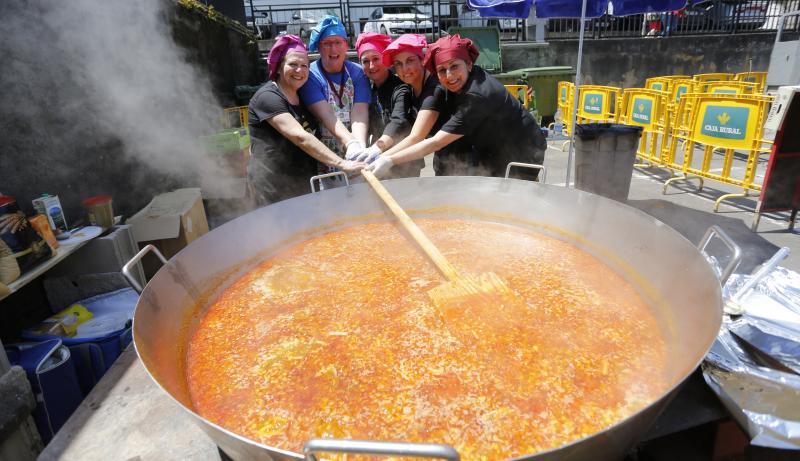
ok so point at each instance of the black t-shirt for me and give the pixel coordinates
(492, 121)
(389, 109)
(426, 99)
(404, 105)
(278, 169)
(397, 118)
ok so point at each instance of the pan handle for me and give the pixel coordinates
(369, 447)
(127, 269)
(542, 179)
(320, 177)
(736, 251)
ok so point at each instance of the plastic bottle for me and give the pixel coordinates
(558, 122)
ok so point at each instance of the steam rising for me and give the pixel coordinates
(93, 76)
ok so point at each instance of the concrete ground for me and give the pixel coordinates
(691, 212)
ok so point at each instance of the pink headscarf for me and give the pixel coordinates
(370, 41)
(413, 43)
(283, 45)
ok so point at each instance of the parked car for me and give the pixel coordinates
(718, 14)
(751, 14)
(398, 20)
(304, 20)
(468, 17)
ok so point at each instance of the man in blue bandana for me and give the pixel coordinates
(337, 92)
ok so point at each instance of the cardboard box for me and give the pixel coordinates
(171, 221)
(50, 206)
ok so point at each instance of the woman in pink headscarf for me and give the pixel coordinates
(285, 151)
(390, 117)
(406, 55)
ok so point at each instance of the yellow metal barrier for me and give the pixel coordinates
(728, 87)
(759, 78)
(645, 108)
(566, 95)
(521, 93)
(719, 121)
(657, 83)
(664, 82)
(714, 77)
(672, 120)
(233, 113)
(680, 87)
(597, 103)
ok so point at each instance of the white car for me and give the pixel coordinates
(398, 20)
(304, 20)
(469, 18)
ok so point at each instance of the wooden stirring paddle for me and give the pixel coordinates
(459, 286)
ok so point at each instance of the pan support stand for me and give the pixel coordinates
(685, 177)
(717, 202)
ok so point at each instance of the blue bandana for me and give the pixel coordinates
(329, 26)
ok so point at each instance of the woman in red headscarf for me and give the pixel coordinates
(393, 108)
(284, 149)
(483, 126)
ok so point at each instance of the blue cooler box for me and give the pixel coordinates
(101, 339)
(55, 384)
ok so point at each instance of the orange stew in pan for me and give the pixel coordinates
(336, 337)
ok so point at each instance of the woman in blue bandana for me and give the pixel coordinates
(337, 92)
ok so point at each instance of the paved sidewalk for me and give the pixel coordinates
(691, 213)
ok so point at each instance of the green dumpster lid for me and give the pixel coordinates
(487, 39)
(552, 70)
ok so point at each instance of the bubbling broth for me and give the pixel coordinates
(336, 337)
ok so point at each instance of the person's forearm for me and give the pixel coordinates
(359, 120)
(404, 143)
(416, 151)
(341, 133)
(359, 130)
(327, 117)
(419, 130)
(316, 149)
(385, 142)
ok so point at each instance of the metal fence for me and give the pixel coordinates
(697, 18)
(434, 17)
(393, 17)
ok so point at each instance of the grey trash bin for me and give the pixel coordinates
(604, 156)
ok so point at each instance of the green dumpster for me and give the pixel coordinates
(487, 40)
(544, 81)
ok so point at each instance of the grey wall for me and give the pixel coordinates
(627, 62)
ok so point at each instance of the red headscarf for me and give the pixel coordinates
(283, 45)
(450, 47)
(370, 41)
(413, 43)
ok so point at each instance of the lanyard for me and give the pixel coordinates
(332, 85)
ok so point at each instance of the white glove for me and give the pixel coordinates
(354, 148)
(381, 166)
(369, 154)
